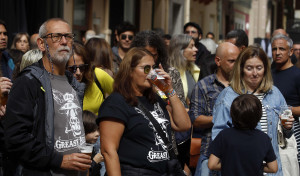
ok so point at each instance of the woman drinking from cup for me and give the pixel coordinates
(251, 75)
(130, 142)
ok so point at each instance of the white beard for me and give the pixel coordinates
(61, 58)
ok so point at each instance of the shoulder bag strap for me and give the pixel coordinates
(158, 129)
(98, 84)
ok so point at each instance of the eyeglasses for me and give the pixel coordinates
(189, 32)
(124, 36)
(147, 68)
(56, 37)
(73, 68)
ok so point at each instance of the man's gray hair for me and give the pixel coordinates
(284, 37)
(43, 29)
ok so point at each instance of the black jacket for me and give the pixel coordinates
(29, 121)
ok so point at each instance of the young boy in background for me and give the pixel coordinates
(242, 149)
(91, 135)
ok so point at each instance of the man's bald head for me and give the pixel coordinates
(279, 31)
(226, 48)
(33, 39)
(226, 55)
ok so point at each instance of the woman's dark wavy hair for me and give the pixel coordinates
(246, 111)
(152, 39)
(123, 83)
(88, 76)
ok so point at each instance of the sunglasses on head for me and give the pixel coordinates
(124, 36)
(81, 67)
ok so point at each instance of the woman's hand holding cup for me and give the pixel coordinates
(286, 116)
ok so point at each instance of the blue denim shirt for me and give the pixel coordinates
(272, 102)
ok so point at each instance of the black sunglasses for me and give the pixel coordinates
(147, 68)
(124, 36)
(73, 68)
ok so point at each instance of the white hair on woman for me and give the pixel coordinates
(209, 44)
(30, 57)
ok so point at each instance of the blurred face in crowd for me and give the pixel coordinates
(253, 72)
(3, 38)
(167, 42)
(78, 68)
(139, 77)
(23, 44)
(210, 36)
(59, 47)
(193, 32)
(281, 52)
(125, 39)
(231, 40)
(296, 48)
(190, 52)
(153, 51)
(92, 137)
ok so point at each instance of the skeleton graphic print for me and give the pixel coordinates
(158, 114)
(69, 132)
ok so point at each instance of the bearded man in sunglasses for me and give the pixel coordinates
(124, 36)
(43, 123)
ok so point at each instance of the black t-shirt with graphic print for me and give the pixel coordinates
(140, 145)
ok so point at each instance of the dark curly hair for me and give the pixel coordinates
(152, 39)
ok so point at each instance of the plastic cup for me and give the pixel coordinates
(86, 148)
(285, 113)
(4, 97)
(158, 80)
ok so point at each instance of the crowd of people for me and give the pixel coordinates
(144, 100)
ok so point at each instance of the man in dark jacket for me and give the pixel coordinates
(6, 68)
(43, 124)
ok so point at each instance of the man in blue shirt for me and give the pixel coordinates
(203, 98)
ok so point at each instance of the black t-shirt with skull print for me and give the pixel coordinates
(140, 145)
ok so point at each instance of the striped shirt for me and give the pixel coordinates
(297, 135)
(264, 120)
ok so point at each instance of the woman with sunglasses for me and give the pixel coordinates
(130, 142)
(84, 71)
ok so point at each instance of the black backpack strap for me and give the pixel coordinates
(158, 129)
(99, 85)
